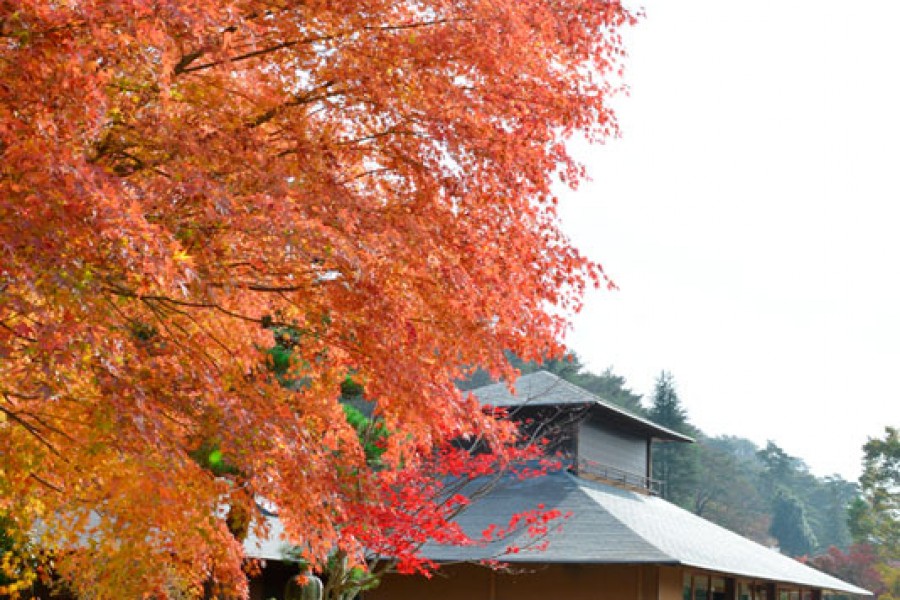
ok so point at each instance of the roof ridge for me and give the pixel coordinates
(610, 405)
(557, 380)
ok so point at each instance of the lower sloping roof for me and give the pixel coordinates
(272, 546)
(612, 525)
(606, 525)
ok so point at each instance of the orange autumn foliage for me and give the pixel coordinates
(181, 179)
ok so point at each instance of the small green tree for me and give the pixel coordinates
(831, 503)
(875, 517)
(790, 526)
(676, 465)
(890, 574)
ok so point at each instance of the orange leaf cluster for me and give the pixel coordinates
(181, 179)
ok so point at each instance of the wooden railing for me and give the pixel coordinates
(609, 474)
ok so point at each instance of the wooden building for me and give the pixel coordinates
(621, 540)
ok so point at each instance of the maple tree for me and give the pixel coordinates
(890, 574)
(412, 503)
(183, 180)
(417, 505)
(858, 565)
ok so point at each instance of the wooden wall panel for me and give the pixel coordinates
(569, 582)
(670, 583)
(609, 446)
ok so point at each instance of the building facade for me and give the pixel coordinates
(618, 540)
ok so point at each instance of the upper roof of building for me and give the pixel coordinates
(546, 389)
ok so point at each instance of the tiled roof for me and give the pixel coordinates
(612, 525)
(273, 546)
(535, 389)
(606, 525)
(546, 389)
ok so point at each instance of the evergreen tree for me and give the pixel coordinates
(666, 407)
(790, 526)
(780, 468)
(824, 500)
(676, 465)
(830, 507)
(875, 518)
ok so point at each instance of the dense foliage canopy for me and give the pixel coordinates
(183, 181)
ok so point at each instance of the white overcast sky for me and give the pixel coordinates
(750, 216)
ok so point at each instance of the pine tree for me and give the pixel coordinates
(790, 525)
(875, 517)
(675, 464)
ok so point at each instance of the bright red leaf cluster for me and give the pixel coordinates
(417, 504)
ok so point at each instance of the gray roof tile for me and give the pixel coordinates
(612, 525)
(607, 525)
(546, 389)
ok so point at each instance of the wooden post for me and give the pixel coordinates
(730, 588)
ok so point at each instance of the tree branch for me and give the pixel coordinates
(254, 53)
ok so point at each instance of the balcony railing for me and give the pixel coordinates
(608, 474)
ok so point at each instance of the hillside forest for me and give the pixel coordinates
(847, 528)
